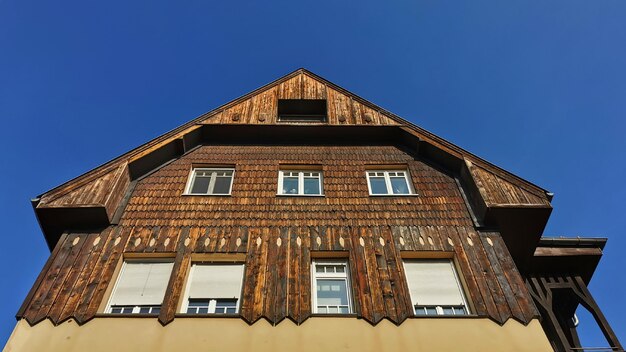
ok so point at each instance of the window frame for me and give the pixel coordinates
(212, 301)
(192, 177)
(281, 175)
(333, 276)
(108, 308)
(407, 179)
(439, 308)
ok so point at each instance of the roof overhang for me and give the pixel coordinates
(556, 256)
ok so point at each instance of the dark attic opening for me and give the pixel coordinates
(302, 110)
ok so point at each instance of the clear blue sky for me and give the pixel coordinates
(536, 87)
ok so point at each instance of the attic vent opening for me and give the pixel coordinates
(302, 110)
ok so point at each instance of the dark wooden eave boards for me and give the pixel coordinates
(521, 215)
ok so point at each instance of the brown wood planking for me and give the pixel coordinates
(470, 275)
(43, 302)
(496, 190)
(41, 278)
(293, 280)
(305, 275)
(402, 297)
(282, 288)
(277, 280)
(102, 275)
(182, 264)
(500, 274)
(384, 264)
(481, 273)
(373, 280)
(73, 299)
(75, 269)
(291, 88)
(260, 288)
(251, 276)
(271, 275)
(520, 289)
(359, 272)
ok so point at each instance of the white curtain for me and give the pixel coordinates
(216, 281)
(433, 282)
(142, 283)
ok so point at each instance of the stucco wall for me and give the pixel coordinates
(316, 334)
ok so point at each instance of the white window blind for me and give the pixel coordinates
(141, 283)
(216, 281)
(433, 283)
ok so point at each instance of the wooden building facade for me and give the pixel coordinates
(385, 195)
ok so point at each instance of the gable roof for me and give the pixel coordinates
(98, 192)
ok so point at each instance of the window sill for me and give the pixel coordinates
(205, 195)
(334, 315)
(466, 316)
(301, 195)
(394, 195)
(126, 315)
(207, 315)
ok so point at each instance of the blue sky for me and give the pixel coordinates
(536, 87)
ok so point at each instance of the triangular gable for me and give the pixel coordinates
(259, 107)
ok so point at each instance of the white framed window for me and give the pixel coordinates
(140, 287)
(435, 287)
(210, 181)
(213, 288)
(331, 287)
(389, 182)
(300, 183)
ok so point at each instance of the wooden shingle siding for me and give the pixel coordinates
(157, 199)
(277, 281)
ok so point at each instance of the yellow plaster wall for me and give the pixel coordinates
(316, 334)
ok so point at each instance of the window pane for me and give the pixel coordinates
(377, 185)
(459, 310)
(200, 185)
(203, 310)
(343, 310)
(321, 309)
(431, 310)
(420, 311)
(290, 185)
(312, 186)
(332, 292)
(399, 185)
(448, 311)
(222, 185)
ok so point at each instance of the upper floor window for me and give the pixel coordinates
(435, 287)
(331, 287)
(389, 182)
(210, 181)
(213, 289)
(301, 110)
(300, 182)
(140, 287)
